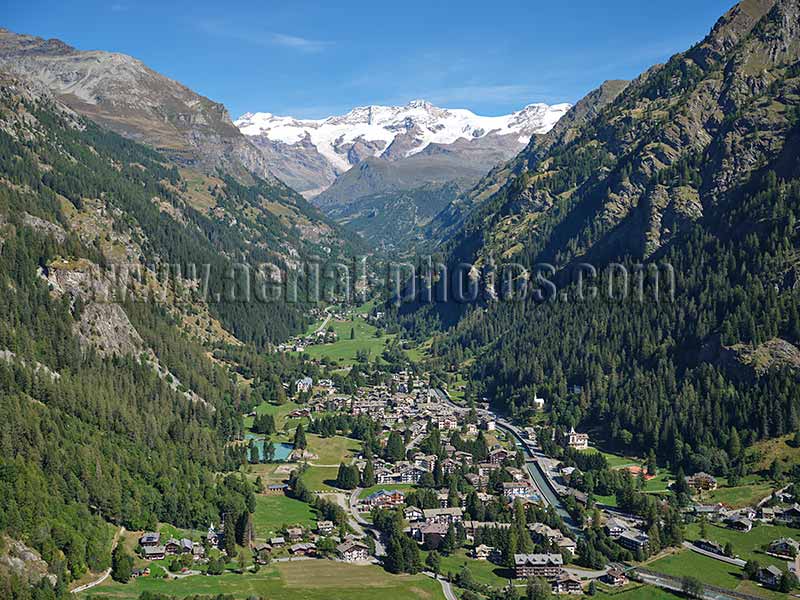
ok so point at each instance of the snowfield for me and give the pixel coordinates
(375, 128)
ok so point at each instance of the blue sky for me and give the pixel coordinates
(312, 59)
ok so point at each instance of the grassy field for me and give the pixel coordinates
(278, 411)
(304, 580)
(344, 350)
(709, 571)
(740, 496)
(781, 448)
(616, 461)
(333, 450)
(273, 512)
(482, 571)
(321, 478)
(748, 546)
(634, 591)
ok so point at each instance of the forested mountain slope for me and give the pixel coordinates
(449, 223)
(694, 164)
(119, 386)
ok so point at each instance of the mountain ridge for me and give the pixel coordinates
(692, 168)
(340, 142)
(123, 94)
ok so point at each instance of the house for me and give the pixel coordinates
(262, 552)
(198, 550)
(498, 456)
(616, 527)
(413, 514)
(578, 441)
(784, 547)
(149, 539)
(512, 489)
(277, 542)
(482, 552)
(712, 512)
(740, 524)
(485, 468)
(634, 540)
(303, 385)
(443, 515)
(566, 543)
(702, 481)
(471, 527)
(710, 546)
(548, 566)
(614, 578)
(303, 549)
(154, 552)
(538, 404)
(353, 551)
(325, 527)
(384, 499)
(212, 536)
(766, 513)
(790, 516)
(770, 576)
(580, 497)
(567, 584)
(542, 532)
(294, 533)
(476, 481)
(172, 546)
(430, 534)
(186, 546)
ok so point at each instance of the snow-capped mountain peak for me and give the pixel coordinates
(389, 132)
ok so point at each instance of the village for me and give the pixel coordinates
(461, 479)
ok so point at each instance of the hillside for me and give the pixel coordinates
(116, 408)
(695, 165)
(125, 96)
(449, 221)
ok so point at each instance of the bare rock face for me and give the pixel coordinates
(746, 361)
(123, 94)
(24, 562)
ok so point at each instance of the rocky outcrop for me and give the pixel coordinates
(19, 560)
(746, 361)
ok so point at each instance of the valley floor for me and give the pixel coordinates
(297, 580)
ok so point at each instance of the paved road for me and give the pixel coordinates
(327, 310)
(546, 488)
(365, 526)
(736, 562)
(446, 587)
(105, 574)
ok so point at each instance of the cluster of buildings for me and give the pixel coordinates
(153, 549)
(299, 542)
(627, 535)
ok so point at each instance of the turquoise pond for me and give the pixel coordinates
(282, 450)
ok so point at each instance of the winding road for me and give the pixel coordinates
(105, 574)
(446, 587)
